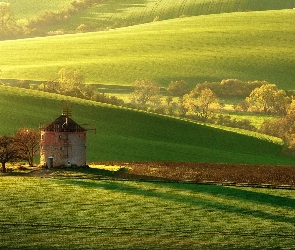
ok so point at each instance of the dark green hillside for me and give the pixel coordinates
(126, 135)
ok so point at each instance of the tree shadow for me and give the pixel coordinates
(221, 191)
(241, 194)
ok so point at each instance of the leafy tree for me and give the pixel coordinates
(70, 81)
(9, 151)
(269, 99)
(89, 91)
(207, 101)
(203, 105)
(190, 104)
(145, 90)
(242, 106)
(8, 26)
(284, 128)
(230, 87)
(178, 88)
(27, 140)
(5, 15)
(52, 86)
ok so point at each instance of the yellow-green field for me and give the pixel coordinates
(66, 213)
(246, 46)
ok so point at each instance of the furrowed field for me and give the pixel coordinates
(65, 213)
(247, 46)
(120, 13)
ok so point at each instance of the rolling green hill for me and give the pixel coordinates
(126, 135)
(124, 13)
(247, 46)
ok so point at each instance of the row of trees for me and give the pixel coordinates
(283, 127)
(70, 82)
(230, 87)
(24, 145)
(203, 104)
(202, 101)
(38, 26)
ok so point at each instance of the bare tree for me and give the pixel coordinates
(27, 140)
(8, 150)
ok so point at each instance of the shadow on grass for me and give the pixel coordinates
(203, 203)
(91, 173)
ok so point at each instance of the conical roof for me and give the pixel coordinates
(63, 124)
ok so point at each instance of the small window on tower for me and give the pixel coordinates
(60, 136)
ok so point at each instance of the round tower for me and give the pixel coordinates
(63, 143)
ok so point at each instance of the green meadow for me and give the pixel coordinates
(246, 46)
(24, 9)
(65, 213)
(110, 14)
(165, 40)
(128, 135)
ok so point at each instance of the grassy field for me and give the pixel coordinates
(65, 213)
(24, 9)
(126, 135)
(246, 46)
(120, 13)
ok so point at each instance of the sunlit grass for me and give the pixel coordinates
(24, 9)
(121, 12)
(82, 213)
(195, 49)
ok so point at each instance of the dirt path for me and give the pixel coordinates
(187, 172)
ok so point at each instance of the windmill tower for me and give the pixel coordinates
(63, 142)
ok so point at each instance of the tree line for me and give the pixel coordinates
(70, 82)
(203, 104)
(10, 28)
(200, 103)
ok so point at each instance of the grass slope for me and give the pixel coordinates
(65, 213)
(248, 46)
(126, 135)
(25, 9)
(124, 13)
